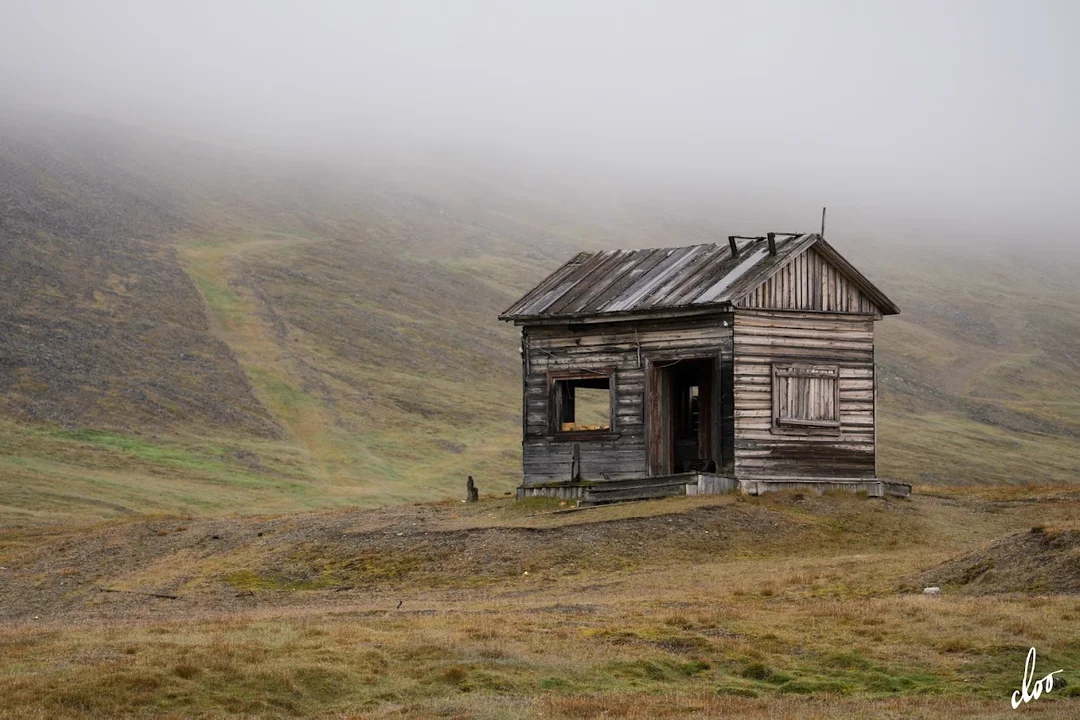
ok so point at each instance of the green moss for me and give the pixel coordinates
(847, 660)
(738, 691)
(220, 300)
(658, 670)
(555, 683)
(762, 673)
(279, 393)
(694, 667)
(816, 687)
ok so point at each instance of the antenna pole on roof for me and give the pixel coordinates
(823, 223)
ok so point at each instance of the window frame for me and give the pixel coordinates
(554, 427)
(798, 426)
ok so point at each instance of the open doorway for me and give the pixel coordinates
(683, 416)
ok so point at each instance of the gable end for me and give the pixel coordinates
(817, 279)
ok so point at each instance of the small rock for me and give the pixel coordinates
(931, 591)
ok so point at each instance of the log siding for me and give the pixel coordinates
(766, 339)
(623, 350)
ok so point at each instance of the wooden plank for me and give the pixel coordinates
(762, 432)
(863, 357)
(747, 343)
(794, 320)
(800, 315)
(763, 330)
(766, 413)
(631, 339)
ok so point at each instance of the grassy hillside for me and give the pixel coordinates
(191, 330)
(222, 327)
(980, 370)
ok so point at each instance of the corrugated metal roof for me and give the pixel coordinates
(656, 279)
(621, 282)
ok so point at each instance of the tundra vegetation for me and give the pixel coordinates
(259, 388)
(777, 606)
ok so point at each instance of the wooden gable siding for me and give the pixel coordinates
(620, 454)
(809, 282)
(763, 338)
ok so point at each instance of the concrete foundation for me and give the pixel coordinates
(700, 483)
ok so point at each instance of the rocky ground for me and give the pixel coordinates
(1042, 560)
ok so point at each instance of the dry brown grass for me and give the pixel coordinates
(771, 629)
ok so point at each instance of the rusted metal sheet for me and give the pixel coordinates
(617, 282)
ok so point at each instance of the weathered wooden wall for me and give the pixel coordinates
(764, 337)
(620, 454)
(809, 282)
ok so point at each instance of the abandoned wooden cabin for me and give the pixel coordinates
(701, 369)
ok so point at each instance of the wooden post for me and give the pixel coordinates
(472, 494)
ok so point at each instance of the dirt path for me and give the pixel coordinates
(258, 337)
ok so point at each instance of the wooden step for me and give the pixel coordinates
(643, 481)
(641, 489)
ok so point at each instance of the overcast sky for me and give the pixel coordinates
(969, 108)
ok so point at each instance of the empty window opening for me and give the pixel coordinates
(581, 404)
(806, 396)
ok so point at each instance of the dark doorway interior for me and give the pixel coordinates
(683, 416)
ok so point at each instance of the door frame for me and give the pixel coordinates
(659, 455)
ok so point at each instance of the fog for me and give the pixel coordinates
(961, 113)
